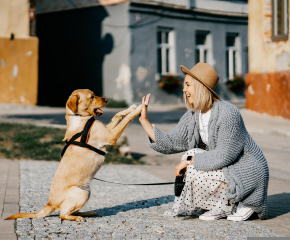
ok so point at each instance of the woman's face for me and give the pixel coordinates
(188, 89)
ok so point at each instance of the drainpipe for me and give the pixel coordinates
(188, 3)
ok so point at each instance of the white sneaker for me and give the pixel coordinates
(214, 214)
(242, 213)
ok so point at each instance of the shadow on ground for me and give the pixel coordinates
(278, 204)
(153, 202)
(59, 118)
(137, 156)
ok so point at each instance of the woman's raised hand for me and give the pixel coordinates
(144, 120)
(145, 102)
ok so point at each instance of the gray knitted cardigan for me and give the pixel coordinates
(231, 149)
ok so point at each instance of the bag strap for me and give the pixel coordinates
(201, 144)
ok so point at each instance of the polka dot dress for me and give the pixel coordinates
(202, 190)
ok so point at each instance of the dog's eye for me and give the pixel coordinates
(92, 97)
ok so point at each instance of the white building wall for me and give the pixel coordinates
(222, 6)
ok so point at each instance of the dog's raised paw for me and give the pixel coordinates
(139, 108)
(133, 107)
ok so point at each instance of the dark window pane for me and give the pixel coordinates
(227, 63)
(159, 61)
(167, 60)
(234, 62)
(280, 16)
(166, 37)
(159, 37)
(205, 56)
(200, 38)
(196, 55)
(230, 40)
(246, 60)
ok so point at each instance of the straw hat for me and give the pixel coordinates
(205, 74)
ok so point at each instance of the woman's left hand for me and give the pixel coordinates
(183, 164)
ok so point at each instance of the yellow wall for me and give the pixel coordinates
(14, 18)
(265, 55)
(19, 70)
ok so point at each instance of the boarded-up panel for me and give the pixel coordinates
(18, 70)
(269, 93)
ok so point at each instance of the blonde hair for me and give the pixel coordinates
(203, 98)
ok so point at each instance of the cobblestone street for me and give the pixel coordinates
(124, 212)
(131, 212)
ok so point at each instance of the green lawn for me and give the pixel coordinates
(19, 141)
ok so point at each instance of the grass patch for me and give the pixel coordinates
(18, 141)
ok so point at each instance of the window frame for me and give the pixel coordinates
(170, 46)
(234, 63)
(203, 47)
(284, 36)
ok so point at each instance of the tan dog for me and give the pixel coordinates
(70, 189)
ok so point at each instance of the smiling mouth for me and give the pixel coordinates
(98, 112)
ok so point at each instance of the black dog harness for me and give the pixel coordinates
(84, 139)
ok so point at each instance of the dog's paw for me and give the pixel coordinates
(138, 109)
(133, 107)
(80, 219)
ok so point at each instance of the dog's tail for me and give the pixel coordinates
(46, 210)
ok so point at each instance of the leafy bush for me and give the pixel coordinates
(170, 83)
(116, 103)
(236, 84)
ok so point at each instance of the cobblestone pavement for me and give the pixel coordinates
(124, 212)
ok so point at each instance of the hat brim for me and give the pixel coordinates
(186, 71)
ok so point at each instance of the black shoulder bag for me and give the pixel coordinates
(179, 184)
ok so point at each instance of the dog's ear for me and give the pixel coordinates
(72, 103)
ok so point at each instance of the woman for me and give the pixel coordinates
(227, 172)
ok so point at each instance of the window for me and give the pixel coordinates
(165, 51)
(233, 59)
(202, 46)
(279, 20)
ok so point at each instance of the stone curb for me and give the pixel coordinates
(9, 197)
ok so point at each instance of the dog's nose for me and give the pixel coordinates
(105, 99)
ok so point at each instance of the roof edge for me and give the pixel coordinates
(193, 10)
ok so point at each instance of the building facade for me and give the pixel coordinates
(121, 51)
(268, 81)
(18, 54)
